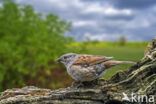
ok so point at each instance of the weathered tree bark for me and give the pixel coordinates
(140, 79)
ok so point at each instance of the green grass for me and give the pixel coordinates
(132, 51)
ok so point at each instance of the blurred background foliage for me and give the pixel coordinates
(30, 42)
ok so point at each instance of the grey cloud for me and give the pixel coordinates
(134, 4)
(140, 25)
(119, 17)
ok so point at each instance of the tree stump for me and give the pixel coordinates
(139, 80)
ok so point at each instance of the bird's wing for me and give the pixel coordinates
(90, 59)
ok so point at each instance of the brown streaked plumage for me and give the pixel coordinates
(82, 67)
(90, 59)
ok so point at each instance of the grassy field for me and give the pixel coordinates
(132, 51)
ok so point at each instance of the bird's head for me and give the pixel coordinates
(67, 58)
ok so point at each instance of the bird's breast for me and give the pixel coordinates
(81, 73)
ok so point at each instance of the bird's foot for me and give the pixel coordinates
(86, 84)
(77, 84)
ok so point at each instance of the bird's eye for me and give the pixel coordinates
(65, 57)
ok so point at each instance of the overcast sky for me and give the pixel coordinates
(103, 19)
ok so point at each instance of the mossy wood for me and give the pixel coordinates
(140, 78)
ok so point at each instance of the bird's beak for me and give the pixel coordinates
(58, 60)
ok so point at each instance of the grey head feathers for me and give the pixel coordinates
(67, 58)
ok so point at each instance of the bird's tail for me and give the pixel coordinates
(124, 62)
(111, 63)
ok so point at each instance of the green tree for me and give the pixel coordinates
(28, 42)
(122, 40)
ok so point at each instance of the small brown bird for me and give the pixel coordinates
(83, 67)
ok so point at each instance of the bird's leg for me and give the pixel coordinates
(90, 83)
(77, 84)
